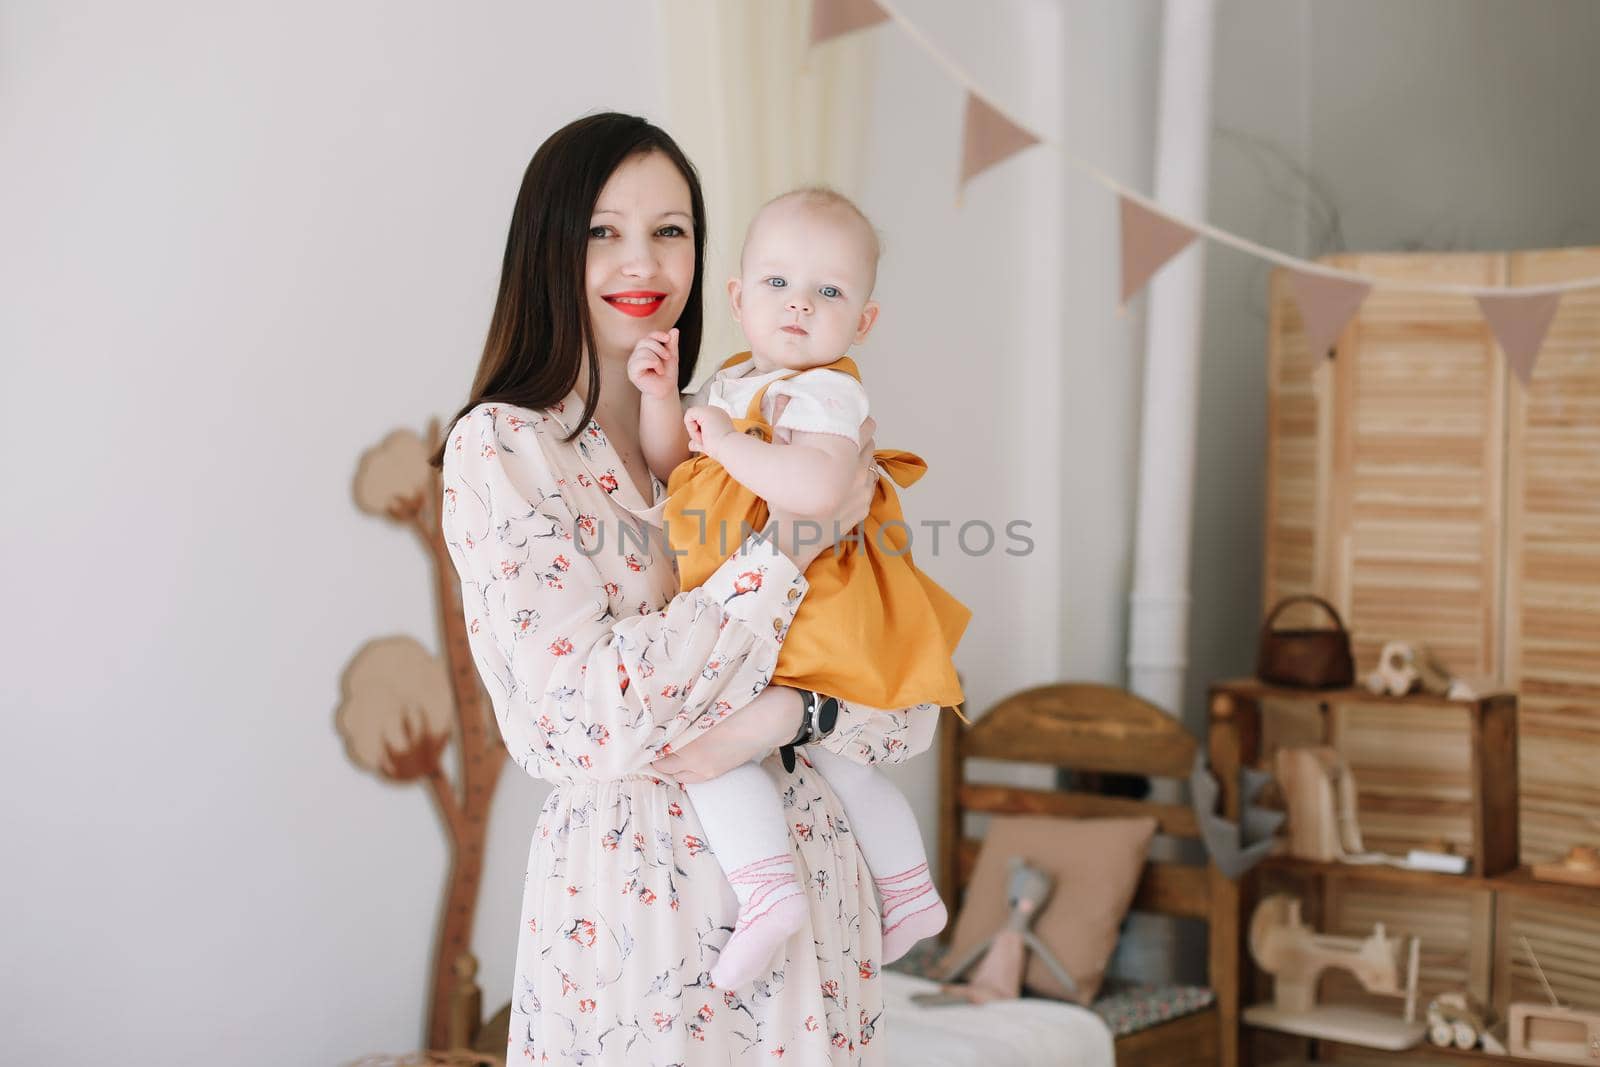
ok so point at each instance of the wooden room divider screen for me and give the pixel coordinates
(1419, 486)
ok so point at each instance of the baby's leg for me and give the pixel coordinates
(886, 831)
(743, 821)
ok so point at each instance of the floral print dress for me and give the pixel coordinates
(596, 665)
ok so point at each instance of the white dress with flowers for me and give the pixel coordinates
(596, 665)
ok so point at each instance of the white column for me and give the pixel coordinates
(1159, 608)
(1159, 603)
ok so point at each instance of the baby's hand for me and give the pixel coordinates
(653, 367)
(707, 426)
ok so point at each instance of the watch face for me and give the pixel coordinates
(827, 715)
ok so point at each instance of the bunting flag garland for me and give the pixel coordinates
(1519, 323)
(835, 18)
(1148, 241)
(1326, 304)
(1327, 296)
(989, 138)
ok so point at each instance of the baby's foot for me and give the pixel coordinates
(772, 906)
(912, 910)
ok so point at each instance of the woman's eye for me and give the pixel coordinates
(777, 283)
(670, 231)
(830, 291)
(598, 231)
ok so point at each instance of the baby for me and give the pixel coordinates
(873, 630)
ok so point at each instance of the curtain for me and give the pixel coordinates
(759, 112)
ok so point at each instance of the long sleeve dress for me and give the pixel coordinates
(596, 665)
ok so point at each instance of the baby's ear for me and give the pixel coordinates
(869, 316)
(735, 292)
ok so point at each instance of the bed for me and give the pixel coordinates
(1095, 730)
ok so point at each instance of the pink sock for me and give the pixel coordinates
(912, 910)
(772, 905)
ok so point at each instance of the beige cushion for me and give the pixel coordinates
(1096, 864)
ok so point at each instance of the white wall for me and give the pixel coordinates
(1365, 125)
(960, 364)
(241, 244)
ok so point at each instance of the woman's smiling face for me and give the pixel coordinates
(640, 263)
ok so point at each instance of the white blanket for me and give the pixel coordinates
(1013, 1033)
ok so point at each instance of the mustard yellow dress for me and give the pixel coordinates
(874, 630)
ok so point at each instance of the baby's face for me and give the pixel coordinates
(802, 294)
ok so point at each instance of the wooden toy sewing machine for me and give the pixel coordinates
(1295, 956)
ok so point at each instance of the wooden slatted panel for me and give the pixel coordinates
(1553, 595)
(1413, 774)
(1298, 455)
(1565, 937)
(1417, 457)
(1444, 921)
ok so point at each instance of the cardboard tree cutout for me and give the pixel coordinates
(400, 707)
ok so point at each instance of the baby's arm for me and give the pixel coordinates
(662, 434)
(653, 368)
(807, 477)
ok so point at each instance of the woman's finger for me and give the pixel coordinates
(697, 762)
(669, 767)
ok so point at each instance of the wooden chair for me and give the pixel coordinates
(1095, 728)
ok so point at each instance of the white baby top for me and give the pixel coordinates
(820, 400)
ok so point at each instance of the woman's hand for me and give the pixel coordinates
(770, 720)
(852, 509)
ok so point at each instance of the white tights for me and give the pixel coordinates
(744, 821)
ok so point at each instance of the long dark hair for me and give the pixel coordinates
(540, 327)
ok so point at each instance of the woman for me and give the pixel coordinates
(616, 687)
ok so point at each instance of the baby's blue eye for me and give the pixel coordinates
(830, 291)
(777, 283)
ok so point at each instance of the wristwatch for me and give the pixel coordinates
(817, 721)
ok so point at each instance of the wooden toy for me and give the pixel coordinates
(1580, 866)
(1296, 956)
(1320, 793)
(1552, 1032)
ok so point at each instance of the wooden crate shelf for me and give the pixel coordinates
(1235, 706)
(1494, 877)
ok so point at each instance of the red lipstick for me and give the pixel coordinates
(640, 303)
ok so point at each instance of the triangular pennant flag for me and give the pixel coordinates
(835, 18)
(1519, 323)
(1326, 304)
(989, 138)
(1148, 241)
